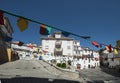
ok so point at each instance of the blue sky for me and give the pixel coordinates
(99, 19)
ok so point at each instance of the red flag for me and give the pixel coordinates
(110, 48)
(95, 44)
(1, 18)
(31, 46)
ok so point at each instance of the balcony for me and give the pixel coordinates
(58, 52)
(58, 44)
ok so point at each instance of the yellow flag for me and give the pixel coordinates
(115, 51)
(37, 49)
(22, 24)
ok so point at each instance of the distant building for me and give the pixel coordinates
(110, 59)
(32, 50)
(86, 59)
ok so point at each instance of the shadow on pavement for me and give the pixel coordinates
(34, 80)
(111, 71)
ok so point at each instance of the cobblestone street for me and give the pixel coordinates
(32, 71)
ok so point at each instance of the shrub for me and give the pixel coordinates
(59, 64)
(63, 65)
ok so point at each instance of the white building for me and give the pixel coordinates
(32, 50)
(110, 59)
(86, 59)
(66, 49)
(58, 46)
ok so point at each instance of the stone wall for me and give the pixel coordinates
(3, 51)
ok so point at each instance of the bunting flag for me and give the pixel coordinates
(20, 43)
(1, 18)
(44, 51)
(37, 50)
(95, 44)
(115, 51)
(22, 24)
(109, 48)
(45, 30)
(65, 33)
(31, 46)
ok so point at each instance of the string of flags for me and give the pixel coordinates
(45, 29)
(23, 24)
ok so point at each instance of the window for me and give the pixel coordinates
(69, 54)
(84, 61)
(68, 47)
(58, 46)
(46, 47)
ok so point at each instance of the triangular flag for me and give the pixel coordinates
(110, 48)
(45, 51)
(95, 44)
(20, 43)
(115, 51)
(37, 50)
(1, 18)
(65, 33)
(22, 24)
(45, 30)
(31, 46)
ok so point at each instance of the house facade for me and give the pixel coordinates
(60, 47)
(86, 58)
(110, 59)
(6, 32)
